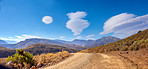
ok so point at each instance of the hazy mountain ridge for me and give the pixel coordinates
(92, 43)
(75, 44)
(103, 40)
(3, 42)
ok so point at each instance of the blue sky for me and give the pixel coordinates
(71, 19)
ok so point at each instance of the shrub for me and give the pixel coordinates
(139, 31)
(20, 58)
(50, 58)
(124, 49)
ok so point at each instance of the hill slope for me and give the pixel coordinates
(3, 42)
(46, 48)
(134, 42)
(4, 52)
(36, 49)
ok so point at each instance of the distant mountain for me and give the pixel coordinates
(11, 42)
(62, 41)
(131, 43)
(37, 49)
(75, 44)
(102, 41)
(81, 42)
(3, 42)
(93, 43)
(28, 42)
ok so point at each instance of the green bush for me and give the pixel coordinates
(21, 57)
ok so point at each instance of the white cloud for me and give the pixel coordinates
(76, 23)
(10, 37)
(20, 38)
(124, 25)
(90, 36)
(91, 39)
(47, 19)
(62, 37)
(78, 37)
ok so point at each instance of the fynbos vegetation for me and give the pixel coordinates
(21, 59)
(25, 60)
(132, 43)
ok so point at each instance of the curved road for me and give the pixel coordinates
(93, 61)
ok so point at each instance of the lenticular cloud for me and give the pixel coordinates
(76, 23)
(124, 25)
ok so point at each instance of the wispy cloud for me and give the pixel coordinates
(90, 36)
(47, 19)
(76, 23)
(62, 37)
(20, 38)
(125, 24)
(78, 37)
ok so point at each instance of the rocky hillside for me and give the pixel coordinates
(131, 43)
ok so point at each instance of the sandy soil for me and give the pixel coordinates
(93, 61)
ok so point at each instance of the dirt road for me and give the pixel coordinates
(93, 61)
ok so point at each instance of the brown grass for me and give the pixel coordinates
(45, 59)
(138, 58)
(49, 58)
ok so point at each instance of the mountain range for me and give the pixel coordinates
(75, 44)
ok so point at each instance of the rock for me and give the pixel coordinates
(39, 65)
(126, 52)
(8, 63)
(33, 67)
(120, 53)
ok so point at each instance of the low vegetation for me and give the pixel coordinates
(36, 49)
(25, 60)
(20, 59)
(47, 48)
(132, 43)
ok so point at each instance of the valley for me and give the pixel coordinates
(73, 34)
(128, 53)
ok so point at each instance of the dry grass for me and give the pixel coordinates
(44, 59)
(3, 60)
(138, 58)
(50, 58)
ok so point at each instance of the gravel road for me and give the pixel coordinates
(93, 61)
